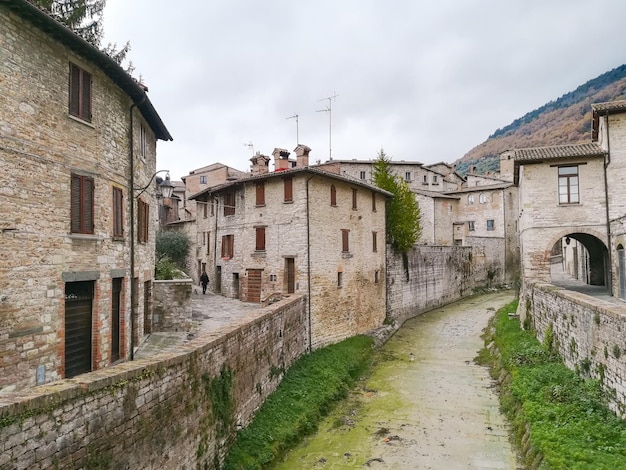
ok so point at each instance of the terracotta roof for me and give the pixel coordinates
(480, 189)
(538, 154)
(603, 109)
(112, 69)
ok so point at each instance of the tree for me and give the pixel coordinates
(172, 245)
(84, 17)
(403, 212)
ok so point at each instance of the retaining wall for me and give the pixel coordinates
(588, 333)
(171, 308)
(174, 411)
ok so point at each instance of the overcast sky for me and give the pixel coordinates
(426, 81)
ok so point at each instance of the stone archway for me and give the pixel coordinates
(584, 256)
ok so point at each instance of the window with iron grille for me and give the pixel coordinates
(118, 213)
(82, 197)
(288, 189)
(260, 193)
(143, 214)
(229, 203)
(80, 93)
(260, 239)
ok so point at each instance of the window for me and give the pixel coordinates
(142, 142)
(470, 199)
(362, 175)
(212, 203)
(407, 176)
(203, 238)
(425, 179)
(260, 193)
(208, 243)
(260, 239)
(229, 203)
(470, 226)
(143, 210)
(354, 198)
(435, 181)
(490, 224)
(345, 240)
(118, 213)
(568, 185)
(203, 180)
(376, 277)
(82, 204)
(482, 198)
(333, 196)
(374, 240)
(373, 201)
(228, 246)
(288, 189)
(80, 93)
(339, 279)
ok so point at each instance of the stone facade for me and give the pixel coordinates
(171, 307)
(158, 412)
(334, 253)
(45, 151)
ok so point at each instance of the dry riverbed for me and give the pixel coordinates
(426, 404)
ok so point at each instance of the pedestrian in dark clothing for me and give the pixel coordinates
(204, 280)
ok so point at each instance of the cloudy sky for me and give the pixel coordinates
(426, 81)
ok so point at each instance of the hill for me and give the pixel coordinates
(566, 120)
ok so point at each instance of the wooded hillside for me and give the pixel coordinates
(566, 120)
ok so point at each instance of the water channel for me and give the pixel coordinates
(426, 404)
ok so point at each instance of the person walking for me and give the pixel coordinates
(204, 280)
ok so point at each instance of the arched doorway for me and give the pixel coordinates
(582, 257)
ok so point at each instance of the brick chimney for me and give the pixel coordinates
(281, 159)
(302, 155)
(260, 164)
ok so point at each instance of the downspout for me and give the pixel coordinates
(607, 161)
(308, 261)
(131, 191)
(506, 245)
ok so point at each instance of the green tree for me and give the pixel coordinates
(172, 245)
(403, 212)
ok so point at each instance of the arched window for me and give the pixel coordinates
(333, 195)
(470, 199)
(482, 198)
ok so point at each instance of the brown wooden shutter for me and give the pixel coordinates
(85, 109)
(75, 204)
(288, 184)
(74, 104)
(260, 239)
(374, 244)
(260, 193)
(333, 195)
(118, 212)
(224, 242)
(354, 192)
(87, 201)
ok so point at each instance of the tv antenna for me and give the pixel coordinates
(329, 110)
(250, 145)
(295, 116)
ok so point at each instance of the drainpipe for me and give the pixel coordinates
(131, 191)
(308, 261)
(607, 161)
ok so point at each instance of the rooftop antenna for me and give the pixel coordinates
(250, 145)
(329, 110)
(295, 116)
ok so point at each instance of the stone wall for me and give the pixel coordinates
(164, 412)
(588, 332)
(436, 275)
(171, 310)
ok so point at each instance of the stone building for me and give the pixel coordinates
(77, 134)
(299, 229)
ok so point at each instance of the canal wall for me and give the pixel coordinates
(587, 332)
(426, 278)
(177, 410)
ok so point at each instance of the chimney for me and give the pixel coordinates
(260, 164)
(302, 155)
(281, 159)
(472, 170)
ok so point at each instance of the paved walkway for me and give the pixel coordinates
(210, 313)
(562, 279)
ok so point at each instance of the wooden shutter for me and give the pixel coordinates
(260, 193)
(80, 93)
(345, 245)
(85, 108)
(81, 195)
(224, 246)
(374, 244)
(74, 104)
(143, 210)
(118, 212)
(354, 192)
(333, 195)
(288, 184)
(75, 204)
(373, 201)
(260, 239)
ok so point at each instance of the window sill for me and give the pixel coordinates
(287, 202)
(84, 236)
(259, 254)
(118, 239)
(227, 258)
(259, 205)
(82, 121)
(346, 254)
